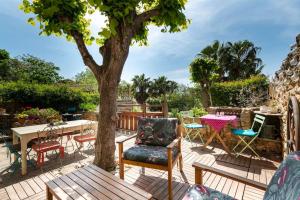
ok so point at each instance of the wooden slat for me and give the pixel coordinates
(123, 183)
(58, 192)
(96, 185)
(87, 187)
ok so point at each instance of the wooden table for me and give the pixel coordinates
(92, 182)
(28, 133)
(218, 123)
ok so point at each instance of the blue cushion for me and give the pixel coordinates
(149, 154)
(285, 184)
(193, 126)
(200, 192)
(242, 132)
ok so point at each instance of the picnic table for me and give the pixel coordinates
(27, 133)
(218, 122)
(92, 182)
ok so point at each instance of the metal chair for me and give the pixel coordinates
(13, 149)
(48, 140)
(242, 134)
(87, 135)
(191, 128)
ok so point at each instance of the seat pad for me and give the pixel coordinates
(46, 146)
(242, 132)
(194, 126)
(84, 138)
(149, 154)
(200, 192)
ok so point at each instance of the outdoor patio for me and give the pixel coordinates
(155, 182)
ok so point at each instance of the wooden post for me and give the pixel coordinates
(170, 163)
(49, 195)
(198, 176)
(121, 164)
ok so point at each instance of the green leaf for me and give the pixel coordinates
(31, 21)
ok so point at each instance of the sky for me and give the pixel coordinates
(270, 24)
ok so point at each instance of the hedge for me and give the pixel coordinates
(248, 92)
(17, 95)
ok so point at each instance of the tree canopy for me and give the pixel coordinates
(237, 60)
(140, 88)
(162, 86)
(27, 68)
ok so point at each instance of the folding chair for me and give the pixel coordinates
(13, 149)
(191, 128)
(242, 134)
(87, 135)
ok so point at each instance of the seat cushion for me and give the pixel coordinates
(242, 132)
(84, 138)
(194, 126)
(200, 192)
(285, 184)
(46, 146)
(149, 154)
(156, 131)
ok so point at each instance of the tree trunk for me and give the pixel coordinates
(105, 143)
(165, 107)
(114, 54)
(205, 97)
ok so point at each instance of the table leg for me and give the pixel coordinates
(223, 143)
(15, 141)
(210, 139)
(24, 155)
(49, 195)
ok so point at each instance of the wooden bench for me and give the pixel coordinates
(92, 182)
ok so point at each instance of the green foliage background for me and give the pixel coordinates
(58, 96)
(233, 93)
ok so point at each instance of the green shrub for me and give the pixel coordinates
(248, 92)
(198, 111)
(88, 106)
(57, 96)
(43, 115)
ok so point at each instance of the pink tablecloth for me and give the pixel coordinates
(219, 122)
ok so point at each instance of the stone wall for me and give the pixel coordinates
(286, 83)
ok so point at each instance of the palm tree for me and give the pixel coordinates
(140, 89)
(204, 71)
(162, 87)
(240, 60)
(215, 52)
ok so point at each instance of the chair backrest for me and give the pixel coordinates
(156, 131)
(48, 134)
(258, 123)
(88, 129)
(285, 184)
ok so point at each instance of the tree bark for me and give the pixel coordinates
(165, 106)
(115, 53)
(205, 97)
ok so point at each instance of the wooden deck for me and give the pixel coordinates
(32, 186)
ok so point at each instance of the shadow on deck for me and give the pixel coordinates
(32, 186)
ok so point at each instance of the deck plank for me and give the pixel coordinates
(153, 181)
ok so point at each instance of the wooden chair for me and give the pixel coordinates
(285, 183)
(48, 140)
(160, 137)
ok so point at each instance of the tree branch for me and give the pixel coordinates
(145, 16)
(86, 56)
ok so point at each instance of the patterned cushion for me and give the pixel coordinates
(285, 184)
(156, 132)
(200, 192)
(149, 154)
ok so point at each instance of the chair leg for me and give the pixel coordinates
(170, 184)
(180, 163)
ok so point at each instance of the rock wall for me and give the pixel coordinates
(286, 83)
